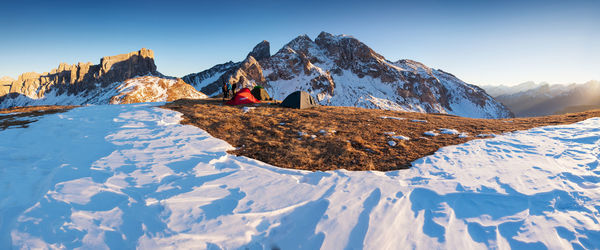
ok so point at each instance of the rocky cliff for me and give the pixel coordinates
(342, 71)
(87, 83)
(5, 83)
(73, 79)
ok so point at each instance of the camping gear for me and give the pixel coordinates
(244, 96)
(299, 100)
(261, 94)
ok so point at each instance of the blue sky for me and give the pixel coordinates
(481, 42)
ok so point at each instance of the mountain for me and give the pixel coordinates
(5, 82)
(498, 90)
(531, 99)
(342, 71)
(124, 78)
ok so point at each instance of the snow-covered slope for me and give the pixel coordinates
(125, 176)
(202, 80)
(134, 90)
(342, 71)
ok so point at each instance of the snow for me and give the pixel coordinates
(400, 137)
(418, 120)
(430, 133)
(392, 143)
(448, 131)
(12, 113)
(205, 82)
(247, 109)
(389, 133)
(127, 176)
(463, 135)
(391, 117)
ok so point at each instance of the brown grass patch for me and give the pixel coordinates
(270, 133)
(21, 116)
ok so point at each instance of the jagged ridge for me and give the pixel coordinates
(342, 71)
(110, 81)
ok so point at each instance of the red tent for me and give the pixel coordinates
(244, 96)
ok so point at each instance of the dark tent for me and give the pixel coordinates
(260, 93)
(299, 100)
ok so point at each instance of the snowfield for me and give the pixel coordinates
(125, 176)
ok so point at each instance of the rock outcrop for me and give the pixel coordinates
(115, 80)
(76, 78)
(5, 83)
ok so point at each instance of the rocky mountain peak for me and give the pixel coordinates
(124, 78)
(261, 51)
(299, 43)
(79, 77)
(324, 35)
(340, 70)
(5, 82)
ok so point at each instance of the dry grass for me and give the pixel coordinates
(271, 134)
(21, 116)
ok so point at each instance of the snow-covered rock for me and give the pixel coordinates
(430, 133)
(130, 176)
(448, 131)
(401, 137)
(134, 90)
(342, 71)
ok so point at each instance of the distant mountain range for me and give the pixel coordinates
(125, 78)
(538, 99)
(342, 71)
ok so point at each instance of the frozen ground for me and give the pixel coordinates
(125, 176)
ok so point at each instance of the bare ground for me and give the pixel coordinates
(20, 117)
(344, 137)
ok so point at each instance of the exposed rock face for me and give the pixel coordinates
(112, 81)
(342, 71)
(261, 51)
(5, 83)
(79, 77)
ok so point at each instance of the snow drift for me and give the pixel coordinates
(125, 176)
